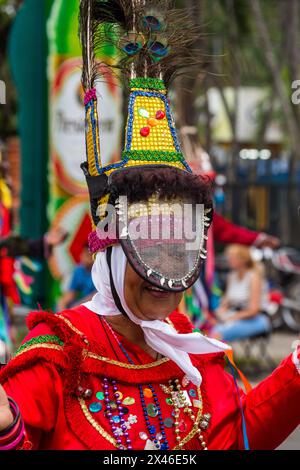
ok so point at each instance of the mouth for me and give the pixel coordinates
(157, 292)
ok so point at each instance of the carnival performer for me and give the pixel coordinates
(242, 312)
(126, 371)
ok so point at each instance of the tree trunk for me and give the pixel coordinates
(274, 67)
(187, 113)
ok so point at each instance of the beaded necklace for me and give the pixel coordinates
(164, 445)
(178, 398)
(120, 417)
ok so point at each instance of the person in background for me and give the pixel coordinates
(224, 231)
(81, 285)
(202, 299)
(40, 248)
(241, 311)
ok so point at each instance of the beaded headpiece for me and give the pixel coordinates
(153, 47)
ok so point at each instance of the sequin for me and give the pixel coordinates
(118, 432)
(203, 424)
(143, 436)
(197, 403)
(160, 114)
(116, 419)
(125, 410)
(186, 398)
(159, 436)
(145, 131)
(169, 401)
(168, 422)
(143, 112)
(192, 392)
(113, 405)
(88, 393)
(100, 395)
(150, 445)
(95, 407)
(120, 395)
(152, 410)
(132, 419)
(152, 122)
(182, 426)
(147, 393)
(128, 401)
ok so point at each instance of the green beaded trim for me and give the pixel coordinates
(39, 340)
(148, 83)
(153, 156)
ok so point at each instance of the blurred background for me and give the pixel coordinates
(239, 122)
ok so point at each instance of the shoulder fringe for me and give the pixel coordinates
(69, 349)
(56, 349)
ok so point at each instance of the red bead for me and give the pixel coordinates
(145, 131)
(160, 114)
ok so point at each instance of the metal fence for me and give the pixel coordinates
(272, 208)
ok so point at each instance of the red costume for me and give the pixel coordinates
(67, 355)
(225, 231)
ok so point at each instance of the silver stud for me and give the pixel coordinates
(149, 272)
(170, 283)
(88, 393)
(207, 416)
(124, 232)
(184, 283)
(203, 424)
(162, 281)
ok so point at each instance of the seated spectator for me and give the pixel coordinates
(240, 314)
(81, 285)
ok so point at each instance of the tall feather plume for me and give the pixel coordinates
(125, 21)
(87, 32)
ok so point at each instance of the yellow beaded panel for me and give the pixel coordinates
(102, 203)
(161, 162)
(131, 163)
(91, 157)
(159, 137)
(155, 207)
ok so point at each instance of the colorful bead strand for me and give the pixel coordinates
(151, 428)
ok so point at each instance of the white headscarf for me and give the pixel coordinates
(158, 335)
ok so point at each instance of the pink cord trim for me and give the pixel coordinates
(99, 244)
(90, 95)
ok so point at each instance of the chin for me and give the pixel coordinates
(162, 315)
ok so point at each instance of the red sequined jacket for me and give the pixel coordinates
(58, 374)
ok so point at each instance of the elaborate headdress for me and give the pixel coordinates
(163, 210)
